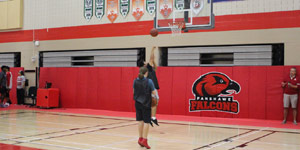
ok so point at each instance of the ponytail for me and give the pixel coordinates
(141, 76)
(142, 72)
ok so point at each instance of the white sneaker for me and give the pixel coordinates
(284, 122)
(295, 122)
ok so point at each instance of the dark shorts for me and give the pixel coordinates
(142, 113)
(7, 92)
(3, 91)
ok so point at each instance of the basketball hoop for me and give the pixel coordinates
(176, 27)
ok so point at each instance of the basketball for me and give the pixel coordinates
(153, 32)
(154, 102)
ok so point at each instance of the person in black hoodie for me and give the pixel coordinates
(142, 90)
(151, 66)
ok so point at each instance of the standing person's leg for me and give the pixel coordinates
(294, 101)
(286, 103)
(295, 115)
(139, 118)
(8, 96)
(147, 120)
(2, 96)
(153, 110)
(18, 97)
(141, 128)
(22, 96)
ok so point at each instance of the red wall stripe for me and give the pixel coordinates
(283, 19)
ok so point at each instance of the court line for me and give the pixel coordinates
(272, 143)
(244, 128)
(43, 121)
(73, 129)
(75, 148)
(76, 133)
(230, 139)
(173, 123)
(224, 140)
(108, 145)
(5, 115)
(82, 132)
(245, 144)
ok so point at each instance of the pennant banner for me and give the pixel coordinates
(151, 6)
(179, 4)
(165, 7)
(124, 7)
(112, 10)
(88, 9)
(197, 6)
(138, 9)
(100, 7)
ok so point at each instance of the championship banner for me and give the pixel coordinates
(151, 6)
(197, 6)
(165, 7)
(124, 7)
(179, 4)
(137, 9)
(88, 9)
(99, 10)
(112, 10)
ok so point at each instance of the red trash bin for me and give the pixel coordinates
(48, 97)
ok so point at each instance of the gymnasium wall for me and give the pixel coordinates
(60, 25)
(110, 88)
(41, 14)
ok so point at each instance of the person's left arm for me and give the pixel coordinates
(23, 82)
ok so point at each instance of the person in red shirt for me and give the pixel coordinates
(290, 96)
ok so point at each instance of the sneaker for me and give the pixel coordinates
(295, 122)
(154, 121)
(145, 143)
(140, 142)
(151, 124)
(284, 122)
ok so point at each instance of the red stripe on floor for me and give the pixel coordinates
(15, 147)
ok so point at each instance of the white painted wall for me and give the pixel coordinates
(40, 14)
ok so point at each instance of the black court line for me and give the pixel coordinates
(224, 140)
(60, 131)
(163, 122)
(17, 113)
(77, 133)
(245, 144)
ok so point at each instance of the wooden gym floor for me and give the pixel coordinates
(60, 129)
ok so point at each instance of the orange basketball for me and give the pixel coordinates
(154, 102)
(154, 32)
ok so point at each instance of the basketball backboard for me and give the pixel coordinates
(197, 14)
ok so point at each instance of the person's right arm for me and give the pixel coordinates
(284, 83)
(153, 90)
(152, 58)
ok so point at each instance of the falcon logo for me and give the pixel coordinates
(213, 91)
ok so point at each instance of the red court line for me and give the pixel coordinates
(253, 21)
(213, 120)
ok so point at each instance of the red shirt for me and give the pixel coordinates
(8, 79)
(289, 90)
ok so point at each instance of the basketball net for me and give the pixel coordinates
(176, 27)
